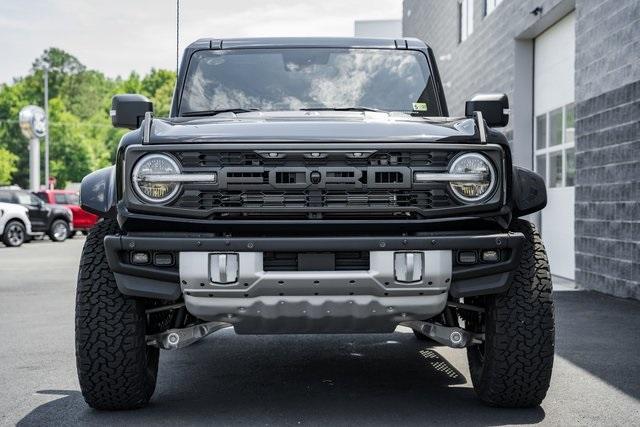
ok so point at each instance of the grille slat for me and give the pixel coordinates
(433, 158)
(424, 199)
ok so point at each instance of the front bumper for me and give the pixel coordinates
(259, 301)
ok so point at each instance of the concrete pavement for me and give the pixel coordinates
(310, 380)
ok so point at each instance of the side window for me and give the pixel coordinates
(5, 197)
(34, 200)
(22, 198)
(490, 5)
(570, 150)
(555, 155)
(465, 19)
(43, 196)
(61, 199)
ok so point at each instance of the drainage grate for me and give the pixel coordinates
(439, 364)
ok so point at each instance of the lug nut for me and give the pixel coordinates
(173, 338)
(456, 337)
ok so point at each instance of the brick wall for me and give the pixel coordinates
(608, 146)
(607, 111)
(608, 192)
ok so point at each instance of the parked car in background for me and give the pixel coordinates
(55, 221)
(15, 226)
(82, 220)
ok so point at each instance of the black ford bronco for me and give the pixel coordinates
(313, 186)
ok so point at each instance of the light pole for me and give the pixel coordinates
(46, 135)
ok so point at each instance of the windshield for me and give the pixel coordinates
(311, 78)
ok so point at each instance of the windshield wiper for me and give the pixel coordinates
(342, 109)
(214, 112)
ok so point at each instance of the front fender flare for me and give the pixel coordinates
(529, 192)
(98, 192)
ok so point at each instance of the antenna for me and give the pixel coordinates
(177, 35)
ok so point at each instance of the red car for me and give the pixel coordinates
(82, 220)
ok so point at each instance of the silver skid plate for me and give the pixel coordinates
(317, 301)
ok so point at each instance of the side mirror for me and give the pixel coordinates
(128, 110)
(492, 107)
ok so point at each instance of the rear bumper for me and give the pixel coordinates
(313, 301)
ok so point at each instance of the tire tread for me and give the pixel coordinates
(116, 369)
(520, 332)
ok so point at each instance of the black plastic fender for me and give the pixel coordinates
(98, 192)
(529, 192)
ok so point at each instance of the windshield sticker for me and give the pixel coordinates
(419, 106)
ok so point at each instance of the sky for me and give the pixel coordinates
(118, 36)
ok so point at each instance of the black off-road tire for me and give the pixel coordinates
(512, 368)
(116, 369)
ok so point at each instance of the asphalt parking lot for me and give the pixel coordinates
(389, 379)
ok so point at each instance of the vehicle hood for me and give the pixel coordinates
(12, 207)
(313, 126)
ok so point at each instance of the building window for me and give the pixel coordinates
(490, 5)
(555, 153)
(465, 15)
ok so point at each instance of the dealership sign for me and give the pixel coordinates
(33, 122)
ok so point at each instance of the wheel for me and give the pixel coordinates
(116, 368)
(512, 368)
(85, 232)
(15, 234)
(59, 230)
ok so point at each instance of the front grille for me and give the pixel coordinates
(290, 261)
(315, 183)
(203, 200)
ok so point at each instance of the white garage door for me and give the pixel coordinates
(554, 150)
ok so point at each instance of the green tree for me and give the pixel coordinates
(84, 93)
(81, 136)
(72, 155)
(8, 166)
(61, 65)
(158, 85)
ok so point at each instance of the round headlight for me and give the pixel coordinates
(481, 177)
(150, 189)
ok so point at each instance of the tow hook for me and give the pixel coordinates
(174, 339)
(446, 335)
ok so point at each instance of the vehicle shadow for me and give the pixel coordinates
(299, 379)
(600, 334)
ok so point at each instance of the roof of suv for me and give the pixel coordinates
(338, 42)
